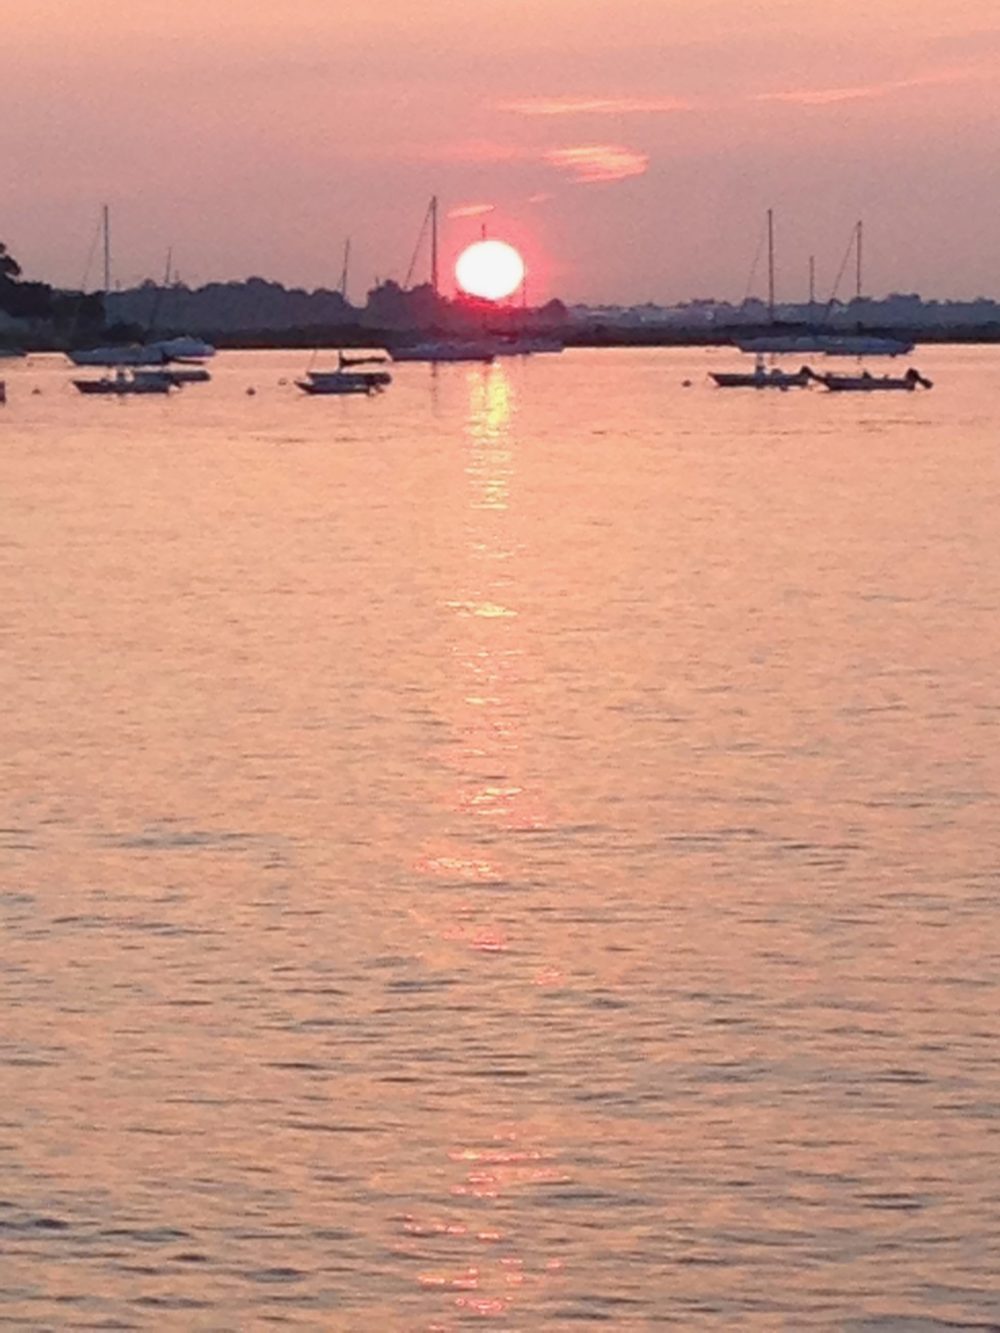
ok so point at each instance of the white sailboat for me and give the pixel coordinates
(183, 348)
(813, 341)
(441, 349)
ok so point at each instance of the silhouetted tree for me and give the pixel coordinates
(23, 300)
(10, 269)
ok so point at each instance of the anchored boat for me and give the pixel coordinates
(866, 382)
(122, 384)
(762, 378)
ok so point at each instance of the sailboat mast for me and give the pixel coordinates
(106, 223)
(346, 268)
(434, 244)
(770, 264)
(812, 281)
(859, 241)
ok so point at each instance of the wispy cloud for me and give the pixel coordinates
(465, 150)
(596, 164)
(471, 210)
(585, 164)
(594, 106)
(867, 91)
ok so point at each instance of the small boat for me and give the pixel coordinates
(180, 374)
(330, 382)
(866, 382)
(445, 351)
(184, 348)
(123, 384)
(338, 383)
(528, 346)
(346, 379)
(762, 378)
(132, 355)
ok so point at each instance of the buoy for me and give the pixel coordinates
(251, 391)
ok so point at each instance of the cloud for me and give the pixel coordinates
(594, 106)
(859, 92)
(471, 210)
(594, 164)
(585, 164)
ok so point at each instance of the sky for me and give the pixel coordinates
(630, 148)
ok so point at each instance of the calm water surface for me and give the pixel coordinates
(520, 852)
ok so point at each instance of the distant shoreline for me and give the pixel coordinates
(590, 336)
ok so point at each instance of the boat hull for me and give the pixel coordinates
(122, 388)
(332, 387)
(828, 344)
(118, 356)
(868, 383)
(441, 352)
(774, 379)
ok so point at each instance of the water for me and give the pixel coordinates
(520, 851)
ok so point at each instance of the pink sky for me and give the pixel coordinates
(630, 146)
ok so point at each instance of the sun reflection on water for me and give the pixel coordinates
(476, 859)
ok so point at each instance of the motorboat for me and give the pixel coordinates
(762, 378)
(125, 383)
(445, 351)
(866, 382)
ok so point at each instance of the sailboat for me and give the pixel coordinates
(183, 348)
(347, 378)
(442, 349)
(131, 355)
(830, 344)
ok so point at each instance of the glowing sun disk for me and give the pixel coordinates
(491, 270)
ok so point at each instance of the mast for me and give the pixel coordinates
(434, 243)
(770, 265)
(346, 268)
(161, 293)
(106, 223)
(859, 242)
(812, 281)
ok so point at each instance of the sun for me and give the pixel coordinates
(491, 270)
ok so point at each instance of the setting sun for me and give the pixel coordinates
(491, 270)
